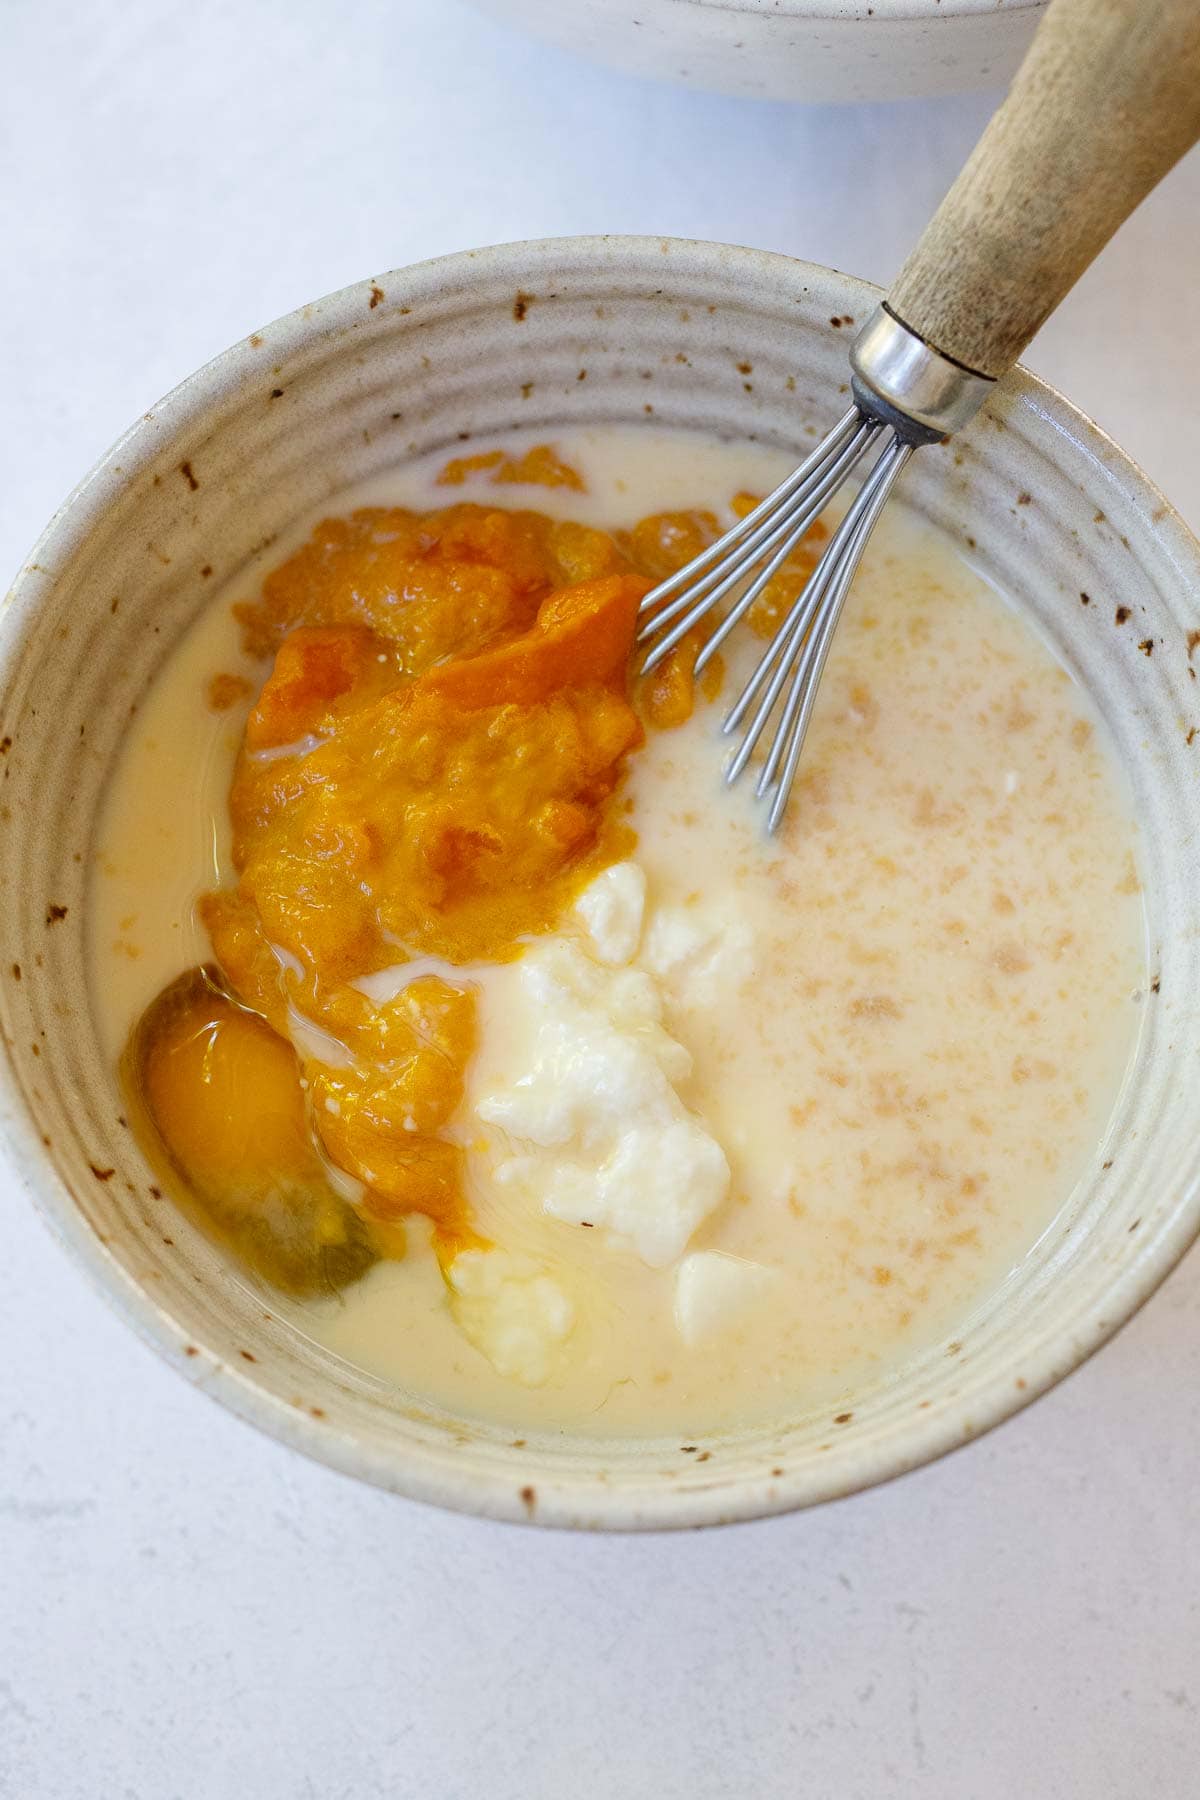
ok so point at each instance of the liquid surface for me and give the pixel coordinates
(901, 1027)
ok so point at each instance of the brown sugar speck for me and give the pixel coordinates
(206, 571)
(16, 971)
(843, 1418)
(277, 393)
(1085, 599)
(101, 1174)
(1191, 736)
(521, 306)
(1193, 639)
(377, 294)
(1121, 614)
(1010, 959)
(1129, 883)
(156, 1193)
(1147, 646)
(318, 1412)
(1024, 499)
(55, 913)
(874, 1006)
(745, 368)
(185, 469)
(1032, 1069)
(248, 1355)
(190, 1350)
(225, 691)
(529, 1499)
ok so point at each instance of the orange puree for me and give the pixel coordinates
(539, 467)
(426, 774)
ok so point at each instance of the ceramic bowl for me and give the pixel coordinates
(794, 49)
(470, 346)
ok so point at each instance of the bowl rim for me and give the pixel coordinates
(564, 1499)
(857, 12)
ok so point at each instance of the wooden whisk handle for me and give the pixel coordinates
(1105, 103)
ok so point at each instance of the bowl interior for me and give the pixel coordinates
(575, 331)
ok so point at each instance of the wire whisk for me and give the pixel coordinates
(1106, 101)
(749, 556)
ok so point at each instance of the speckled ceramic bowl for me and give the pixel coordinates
(794, 49)
(470, 346)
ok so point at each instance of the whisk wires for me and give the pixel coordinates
(745, 560)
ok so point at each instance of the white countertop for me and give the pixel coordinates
(187, 1609)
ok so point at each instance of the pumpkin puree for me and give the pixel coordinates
(428, 773)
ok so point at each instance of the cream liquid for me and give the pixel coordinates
(910, 1068)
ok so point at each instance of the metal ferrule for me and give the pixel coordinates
(903, 381)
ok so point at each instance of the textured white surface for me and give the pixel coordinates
(187, 1609)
